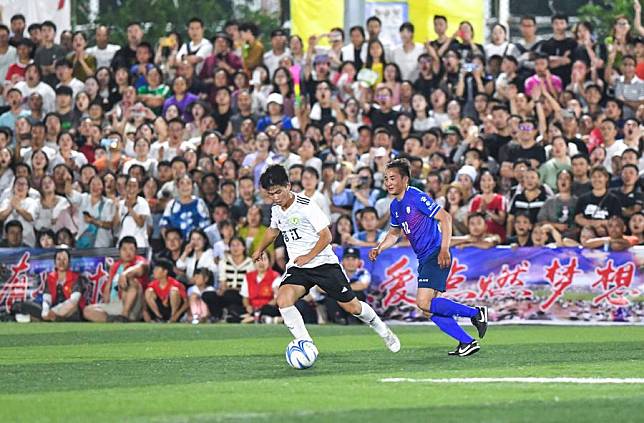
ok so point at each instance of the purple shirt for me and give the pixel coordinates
(415, 216)
(183, 105)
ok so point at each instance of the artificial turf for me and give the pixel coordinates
(146, 372)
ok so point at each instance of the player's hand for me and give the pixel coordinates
(374, 253)
(444, 258)
(302, 260)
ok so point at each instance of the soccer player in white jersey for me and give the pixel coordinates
(306, 233)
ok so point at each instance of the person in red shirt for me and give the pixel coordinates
(258, 292)
(62, 294)
(165, 297)
(16, 71)
(122, 292)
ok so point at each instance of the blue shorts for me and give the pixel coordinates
(430, 274)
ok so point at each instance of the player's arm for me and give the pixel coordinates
(445, 224)
(269, 237)
(323, 241)
(390, 240)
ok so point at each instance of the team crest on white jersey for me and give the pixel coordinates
(294, 220)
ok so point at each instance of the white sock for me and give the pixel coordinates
(294, 322)
(369, 316)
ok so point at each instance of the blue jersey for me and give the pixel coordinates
(415, 216)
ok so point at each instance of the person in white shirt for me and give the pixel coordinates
(94, 213)
(306, 233)
(133, 214)
(310, 181)
(406, 55)
(198, 49)
(64, 72)
(33, 84)
(197, 254)
(103, 50)
(22, 208)
(612, 146)
(357, 45)
(8, 53)
(278, 52)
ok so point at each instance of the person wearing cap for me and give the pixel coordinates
(222, 57)
(64, 73)
(277, 52)
(253, 49)
(198, 49)
(275, 114)
(359, 279)
(466, 176)
(16, 71)
(165, 297)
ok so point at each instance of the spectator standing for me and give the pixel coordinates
(103, 51)
(198, 48)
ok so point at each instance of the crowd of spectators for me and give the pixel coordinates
(160, 144)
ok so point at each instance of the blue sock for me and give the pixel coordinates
(446, 307)
(450, 327)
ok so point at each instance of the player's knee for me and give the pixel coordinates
(284, 301)
(150, 294)
(353, 307)
(174, 292)
(423, 305)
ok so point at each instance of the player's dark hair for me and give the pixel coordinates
(127, 240)
(402, 165)
(408, 26)
(274, 175)
(436, 17)
(475, 214)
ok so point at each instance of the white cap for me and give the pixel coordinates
(275, 98)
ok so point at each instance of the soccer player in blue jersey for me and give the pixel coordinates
(429, 230)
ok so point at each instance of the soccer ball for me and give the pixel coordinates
(301, 353)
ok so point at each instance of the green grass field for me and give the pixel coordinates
(163, 373)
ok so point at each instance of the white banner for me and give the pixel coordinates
(57, 11)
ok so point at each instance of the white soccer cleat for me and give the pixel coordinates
(392, 342)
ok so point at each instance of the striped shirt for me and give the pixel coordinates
(231, 275)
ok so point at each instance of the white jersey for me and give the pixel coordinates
(300, 225)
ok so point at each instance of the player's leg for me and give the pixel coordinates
(130, 297)
(332, 279)
(176, 303)
(287, 295)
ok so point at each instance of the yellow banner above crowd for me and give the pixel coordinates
(312, 17)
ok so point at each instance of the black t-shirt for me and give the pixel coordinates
(520, 203)
(514, 152)
(599, 208)
(580, 188)
(125, 57)
(515, 240)
(494, 142)
(554, 47)
(426, 86)
(378, 118)
(628, 200)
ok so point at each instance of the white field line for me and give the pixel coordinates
(572, 380)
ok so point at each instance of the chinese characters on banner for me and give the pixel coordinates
(520, 284)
